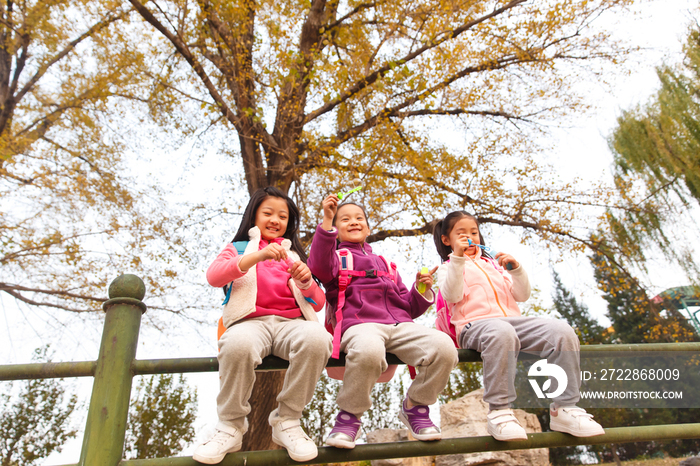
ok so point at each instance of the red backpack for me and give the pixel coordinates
(443, 321)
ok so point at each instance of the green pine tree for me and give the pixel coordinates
(161, 417)
(576, 314)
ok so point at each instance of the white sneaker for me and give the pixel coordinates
(573, 420)
(288, 433)
(227, 439)
(502, 425)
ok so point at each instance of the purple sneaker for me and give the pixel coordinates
(345, 432)
(417, 419)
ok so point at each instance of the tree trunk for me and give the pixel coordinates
(262, 401)
(613, 447)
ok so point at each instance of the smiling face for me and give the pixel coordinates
(272, 217)
(351, 224)
(465, 226)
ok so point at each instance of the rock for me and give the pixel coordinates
(466, 417)
(393, 435)
(694, 461)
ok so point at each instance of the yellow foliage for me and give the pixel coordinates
(434, 104)
(69, 216)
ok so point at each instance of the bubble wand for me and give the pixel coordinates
(355, 182)
(490, 252)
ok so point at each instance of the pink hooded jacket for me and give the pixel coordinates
(479, 288)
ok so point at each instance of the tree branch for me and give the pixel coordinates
(69, 48)
(350, 14)
(461, 111)
(45, 245)
(182, 48)
(379, 73)
(32, 302)
(395, 111)
(426, 229)
(8, 287)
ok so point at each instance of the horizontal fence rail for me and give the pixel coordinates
(453, 446)
(273, 363)
(48, 370)
(116, 365)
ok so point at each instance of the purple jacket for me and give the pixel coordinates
(377, 300)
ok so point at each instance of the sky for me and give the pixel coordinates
(659, 26)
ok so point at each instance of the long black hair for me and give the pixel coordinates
(248, 220)
(444, 228)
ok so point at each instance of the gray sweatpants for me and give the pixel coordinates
(430, 351)
(306, 345)
(501, 338)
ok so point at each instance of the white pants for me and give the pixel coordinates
(430, 351)
(306, 345)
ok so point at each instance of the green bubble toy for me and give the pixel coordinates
(421, 286)
(342, 195)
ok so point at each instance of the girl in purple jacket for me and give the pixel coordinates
(377, 317)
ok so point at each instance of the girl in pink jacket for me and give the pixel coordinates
(271, 306)
(482, 297)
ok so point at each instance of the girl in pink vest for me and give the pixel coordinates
(482, 298)
(271, 306)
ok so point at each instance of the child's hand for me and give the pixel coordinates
(273, 251)
(426, 279)
(300, 272)
(505, 259)
(460, 245)
(330, 206)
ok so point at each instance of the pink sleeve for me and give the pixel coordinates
(315, 293)
(225, 268)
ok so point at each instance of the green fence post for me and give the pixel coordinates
(105, 428)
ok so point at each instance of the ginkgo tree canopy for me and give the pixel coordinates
(433, 105)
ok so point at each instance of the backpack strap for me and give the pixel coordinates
(345, 263)
(240, 246)
(373, 273)
(391, 267)
(227, 294)
(347, 271)
(240, 249)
